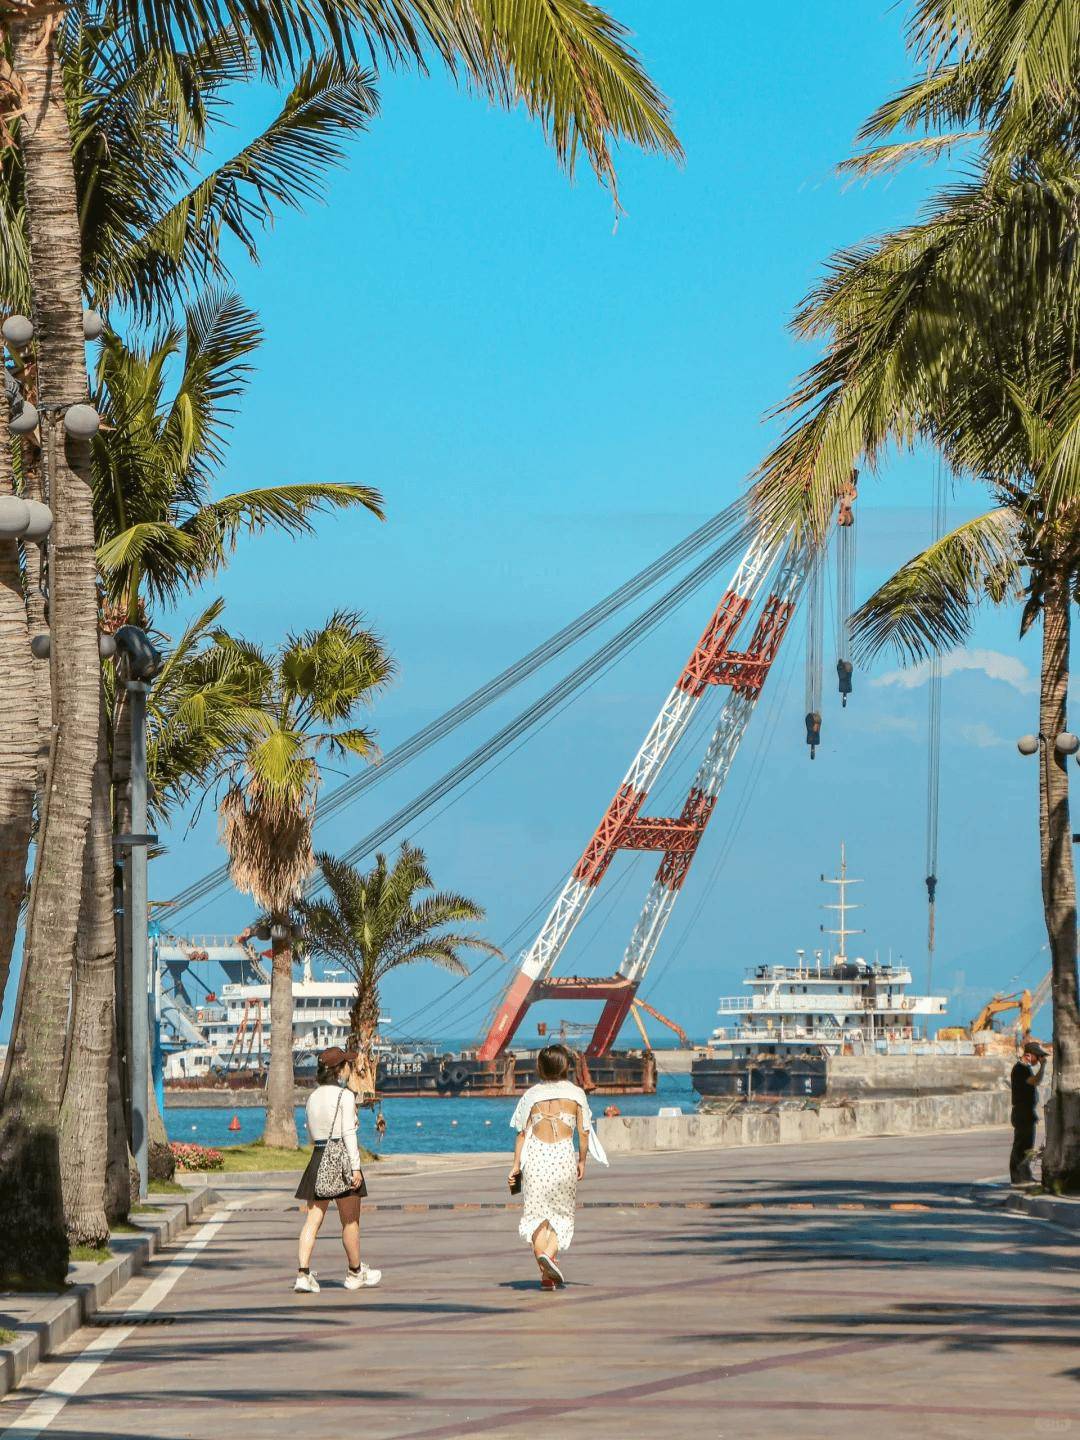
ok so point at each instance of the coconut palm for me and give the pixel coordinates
(962, 332)
(151, 223)
(199, 710)
(148, 225)
(571, 67)
(1004, 74)
(151, 215)
(378, 921)
(308, 692)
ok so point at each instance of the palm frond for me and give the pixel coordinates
(927, 607)
(282, 167)
(887, 159)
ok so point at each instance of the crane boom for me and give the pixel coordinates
(713, 661)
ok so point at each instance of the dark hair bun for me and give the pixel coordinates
(553, 1063)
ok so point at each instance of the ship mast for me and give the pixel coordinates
(843, 905)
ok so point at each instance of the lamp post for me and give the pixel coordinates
(140, 662)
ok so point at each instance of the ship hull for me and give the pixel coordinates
(766, 1078)
(453, 1076)
(619, 1073)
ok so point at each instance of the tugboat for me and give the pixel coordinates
(777, 1039)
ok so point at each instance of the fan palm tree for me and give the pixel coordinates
(307, 693)
(378, 921)
(568, 63)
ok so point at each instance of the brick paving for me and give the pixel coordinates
(796, 1291)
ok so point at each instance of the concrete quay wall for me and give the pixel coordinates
(753, 1124)
(878, 1076)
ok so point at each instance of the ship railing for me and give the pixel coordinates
(783, 1003)
(896, 975)
(199, 942)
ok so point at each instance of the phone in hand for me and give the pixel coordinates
(514, 1181)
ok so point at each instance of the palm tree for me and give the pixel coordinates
(139, 124)
(308, 692)
(151, 217)
(963, 332)
(379, 921)
(572, 69)
(18, 752)
(150, 224)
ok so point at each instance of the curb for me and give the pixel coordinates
(1065, 1213)
(60, 1317)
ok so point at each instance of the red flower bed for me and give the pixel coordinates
(196, 1157)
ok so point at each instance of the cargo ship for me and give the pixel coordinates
(778, 1038)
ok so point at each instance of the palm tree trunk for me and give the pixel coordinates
(280, 1088)
(119, 1163)
(84, 1109)
(33, 1241)
(1061, 1158)
(121, 812)
(17, 729)
(36, 613)
(365, 1023)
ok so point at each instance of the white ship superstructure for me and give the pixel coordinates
(830, 1003)
(230, 1028)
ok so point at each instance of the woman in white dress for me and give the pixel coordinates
(546, 1118)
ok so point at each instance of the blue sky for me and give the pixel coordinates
(548, 402)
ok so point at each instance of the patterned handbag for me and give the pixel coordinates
(334, 1175)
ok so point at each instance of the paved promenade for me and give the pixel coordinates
(805, 1292)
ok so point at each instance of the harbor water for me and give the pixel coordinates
(420, 1125)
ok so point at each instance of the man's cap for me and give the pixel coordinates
(1032, 1047)
(335, 1056)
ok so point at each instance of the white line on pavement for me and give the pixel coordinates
(40, 1413)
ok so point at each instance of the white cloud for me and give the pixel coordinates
(993, 663)
(980, 735)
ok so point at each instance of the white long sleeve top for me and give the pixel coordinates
(560, 1090)
(321, 1105)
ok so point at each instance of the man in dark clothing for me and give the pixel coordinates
(1025, 1077)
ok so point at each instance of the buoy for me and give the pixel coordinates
(234, 1123)
(453, 1122)
(419, 1124)
(487, 1122)
(194, 1127)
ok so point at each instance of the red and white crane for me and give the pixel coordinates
(714, 661)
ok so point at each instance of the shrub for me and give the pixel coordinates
(196, 1157)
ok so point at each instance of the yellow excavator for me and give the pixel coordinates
(1027, 1002)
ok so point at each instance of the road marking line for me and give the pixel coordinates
(40, 1413)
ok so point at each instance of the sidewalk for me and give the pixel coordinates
(42, 1322)
(795, 1291)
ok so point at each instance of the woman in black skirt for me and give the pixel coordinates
(331, 1115)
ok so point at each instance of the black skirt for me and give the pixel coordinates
(306, 1189)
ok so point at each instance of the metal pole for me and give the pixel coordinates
(139, 1051)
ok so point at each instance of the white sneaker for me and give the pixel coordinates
(365, 1279)
(307, 1284)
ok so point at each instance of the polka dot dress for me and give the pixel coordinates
(548, 1188)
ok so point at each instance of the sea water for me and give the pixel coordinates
(412, 1124)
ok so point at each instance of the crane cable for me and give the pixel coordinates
(846, 546)
(731, 521)
(933, 759)
(815, 627)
